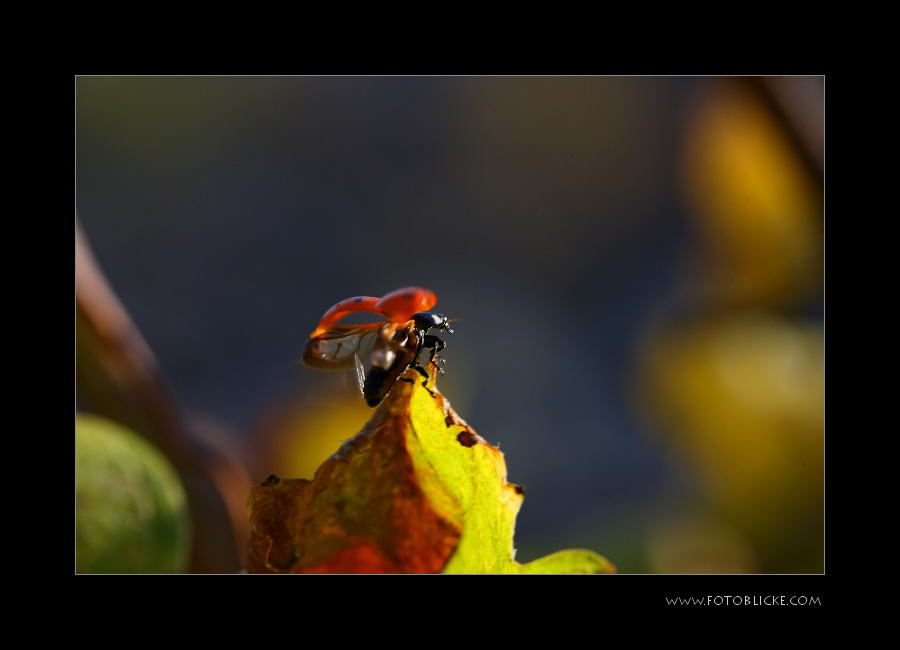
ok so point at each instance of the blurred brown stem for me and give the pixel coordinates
(117, 376)
(798, 104)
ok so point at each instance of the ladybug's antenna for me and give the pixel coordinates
(448, 321)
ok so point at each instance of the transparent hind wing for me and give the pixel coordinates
(341, 347)
(360, 374)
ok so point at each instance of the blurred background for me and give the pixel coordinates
(638, 264)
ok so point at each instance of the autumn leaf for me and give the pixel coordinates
(416, 491)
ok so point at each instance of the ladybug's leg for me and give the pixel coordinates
(435, 344)
(419, 369)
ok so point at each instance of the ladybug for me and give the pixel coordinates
(393, 346)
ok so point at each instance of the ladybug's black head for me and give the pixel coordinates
(427, 320)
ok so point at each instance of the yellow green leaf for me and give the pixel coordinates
(416, 491)
(571, 561)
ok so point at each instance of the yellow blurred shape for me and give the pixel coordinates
(695, 545)
(309, 432)
(757, 206)
(743, 399)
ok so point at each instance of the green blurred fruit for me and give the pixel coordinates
(131, 512)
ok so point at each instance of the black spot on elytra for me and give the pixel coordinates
(272, 480)
(357, 299)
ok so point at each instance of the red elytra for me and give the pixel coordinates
(399, 305)
(393, 346)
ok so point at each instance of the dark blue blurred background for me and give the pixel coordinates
(229, 212)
